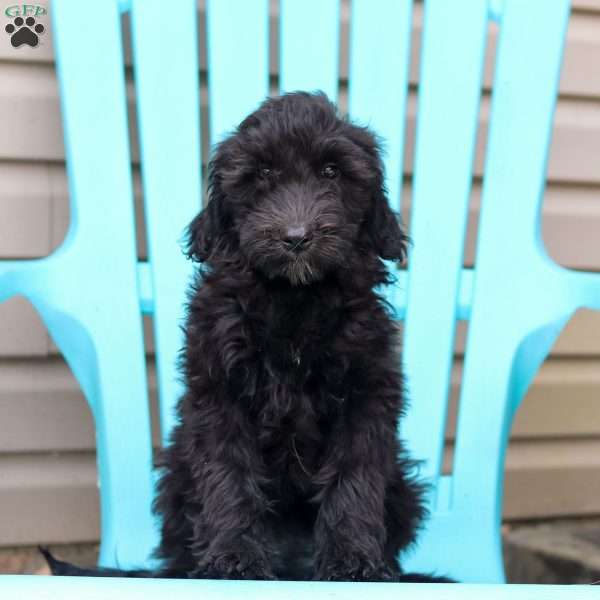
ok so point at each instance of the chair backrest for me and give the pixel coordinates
(93, 290)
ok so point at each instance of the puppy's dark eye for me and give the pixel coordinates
(330, 171)
(265, 172)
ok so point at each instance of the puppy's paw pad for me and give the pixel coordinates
(236, 566)
(357, 571)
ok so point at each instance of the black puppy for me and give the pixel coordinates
(285, 461)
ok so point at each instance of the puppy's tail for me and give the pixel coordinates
(59, 567)
(424, 578)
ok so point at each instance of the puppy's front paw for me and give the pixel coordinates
(235, 565)
(356, 570)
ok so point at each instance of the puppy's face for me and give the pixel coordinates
(294, 191)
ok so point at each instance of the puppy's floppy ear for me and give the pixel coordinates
(201, 233)
(383, 227)
(208, 233)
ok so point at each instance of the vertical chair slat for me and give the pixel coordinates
(380, 34)
(449, 93)
(166, 76)
(309, 46)
(520, 298)
(238, 74)
(519, 292)
(87, 294)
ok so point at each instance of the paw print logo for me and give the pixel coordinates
(24, 31)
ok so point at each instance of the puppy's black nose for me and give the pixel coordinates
(296, 239)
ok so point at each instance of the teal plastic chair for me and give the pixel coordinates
(92, 291)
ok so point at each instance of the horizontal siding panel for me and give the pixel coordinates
(24, 334)
(575, 149)
(29, 104)
(22, 331)
(579, 76)
(580, 337)
(25, 210)
(563, 402)
(570, 224)
(30, 110)
(549, 454)
(147, 326)
(42, 408)
(549, 478)
(60, 206)
(48, 498)
(54, 498)
(552, 479)
(591, 5)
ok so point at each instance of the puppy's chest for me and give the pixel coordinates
(300, 397)
(296, 345)
(298, 358)
(292, 428)
(301, 372)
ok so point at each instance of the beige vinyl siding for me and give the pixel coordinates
(47, 469)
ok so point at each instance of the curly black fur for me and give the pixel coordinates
(285, 462)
